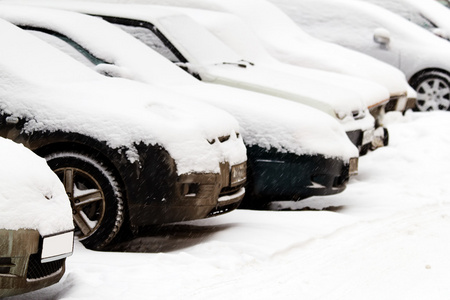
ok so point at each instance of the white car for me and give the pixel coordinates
(36, 227)
(210, 60)
(129, 154)
(237, 35)
(283, 137)
(284, 40)
(422, 56)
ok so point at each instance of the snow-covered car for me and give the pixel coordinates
(422, 56)
(207, 58)
(284, 40)
(36, 227)
(428, 14)
(126, 152)
(306, 146)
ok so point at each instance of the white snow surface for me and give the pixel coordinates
(31, 195)
(385, 237)
(284, 40)
(264, 120)
(206, 54)
(54, 92)
(240, 37)
(215, 62)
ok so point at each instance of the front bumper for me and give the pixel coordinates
(369, 139)
(194, 196)
(22, 268)
(285, 176)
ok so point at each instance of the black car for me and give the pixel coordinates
(126, 153)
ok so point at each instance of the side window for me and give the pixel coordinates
(149, 38)
(67, 46)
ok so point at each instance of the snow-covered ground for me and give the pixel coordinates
(386, 237)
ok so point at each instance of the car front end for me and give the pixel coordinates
(30, 262)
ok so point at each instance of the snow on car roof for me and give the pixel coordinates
(31, 195)
(426, 13)
(419, 48)
(289, 43)
(288, 121)
(241, 38)
(54, 92)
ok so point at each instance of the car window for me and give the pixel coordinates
(67, 46)
(149, 38)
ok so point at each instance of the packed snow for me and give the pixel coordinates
(54, 92)
(31, 195)
(284, 40)
(293, 127)
(385, 237)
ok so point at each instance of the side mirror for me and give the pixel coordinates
(382, 36)
(111, 70)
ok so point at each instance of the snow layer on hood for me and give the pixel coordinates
(236, 34)
(207, 54)
(31, 195)
(287, 42)
(54, 92)
(293, 127)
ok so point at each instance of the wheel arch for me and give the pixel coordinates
(414, 77)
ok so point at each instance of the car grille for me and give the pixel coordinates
(5, 265)
(36, 269)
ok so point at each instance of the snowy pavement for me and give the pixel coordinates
(386, 237)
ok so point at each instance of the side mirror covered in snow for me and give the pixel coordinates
(382, 36)
(111, 71)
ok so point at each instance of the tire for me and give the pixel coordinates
(433, 91)
(95, 196)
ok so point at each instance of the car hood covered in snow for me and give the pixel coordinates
(55, 93)
(264, 120)
(287, 42)
(231, 30)
(31, 195)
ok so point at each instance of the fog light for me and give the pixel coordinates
(238, 173)
(190, 189)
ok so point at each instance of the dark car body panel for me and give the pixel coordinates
(152, 186)
(21, 269)
(274, 175)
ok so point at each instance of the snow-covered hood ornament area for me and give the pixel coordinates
(52, 92)
(31, 195)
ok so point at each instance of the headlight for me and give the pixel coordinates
(238, 173)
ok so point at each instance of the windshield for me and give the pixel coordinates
(197, 44)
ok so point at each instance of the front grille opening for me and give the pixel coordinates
(36, 269)
(190, 189)
(5, 265)
(230, 190)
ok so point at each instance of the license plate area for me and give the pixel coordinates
(368, 136)
(57, 246)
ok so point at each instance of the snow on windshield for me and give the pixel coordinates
(31, 195)
(199, 44)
